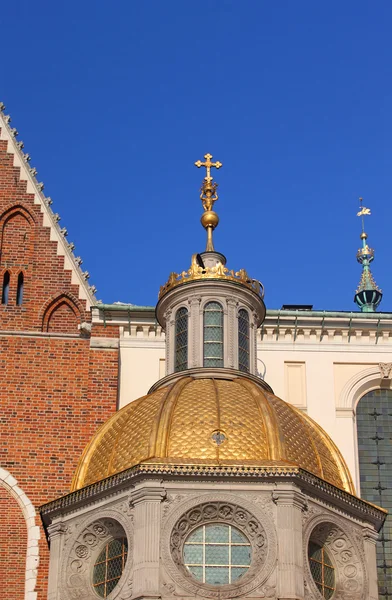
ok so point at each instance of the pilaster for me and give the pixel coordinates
(290, 503)
(232, 346)
(370, 537)
(56, 532)
(194, 358)
(147, 522)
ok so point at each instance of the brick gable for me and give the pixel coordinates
(55, 389)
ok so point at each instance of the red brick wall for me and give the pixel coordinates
(25, 245)
(55, 391)
(13, 551)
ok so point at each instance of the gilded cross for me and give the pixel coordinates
(208, 164)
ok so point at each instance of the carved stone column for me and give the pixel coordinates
(232, 334)
(147, 523)
(56, 532)
(370, 538)
(170, 346)
(290, 581)
(195, 360)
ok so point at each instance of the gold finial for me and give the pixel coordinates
(209, 196)
(208, 164)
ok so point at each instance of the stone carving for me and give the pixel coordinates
(385, 370)
(170, 502)
(264, 501)
(84, 544)
(341, 542)
(223, 508)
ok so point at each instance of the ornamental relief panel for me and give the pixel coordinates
(344, 543)
(229, 509)
(83, 546)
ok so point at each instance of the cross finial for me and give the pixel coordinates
(208, 164)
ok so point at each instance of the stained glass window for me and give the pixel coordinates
(322, 570)
(109, 566)
(217, 554)
(374, 427)
(213, 335)
(181, 335)
(6, 288)
(243, 340)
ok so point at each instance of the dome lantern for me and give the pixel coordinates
(210, 313)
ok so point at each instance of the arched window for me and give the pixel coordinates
(6, 288)
(213, 335)
(374, 427)
(322, 569)
(243, 340)
(109, 566)
(19, 291)
(181, 343)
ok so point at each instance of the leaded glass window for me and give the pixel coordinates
(243, 340)
(109, 566)
(374, 427)
(213, 335)
(322, 570)
(217, 554)
(181, 343)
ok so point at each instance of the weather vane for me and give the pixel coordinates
(363, 211)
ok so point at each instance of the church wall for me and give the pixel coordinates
(279, 518)
(26, 246)
(13, 548)
(55, 394)
(59, 374)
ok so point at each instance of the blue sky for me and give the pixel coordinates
(116, 100)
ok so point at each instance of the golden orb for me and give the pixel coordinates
(363, 236)
(209, 219)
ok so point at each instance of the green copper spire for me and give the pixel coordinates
(368, 296)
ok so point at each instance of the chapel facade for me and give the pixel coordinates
(209, 484)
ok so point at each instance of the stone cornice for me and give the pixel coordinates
(305, 480)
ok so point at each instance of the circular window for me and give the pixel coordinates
(109, 566)
(322, 570)
(217, 554)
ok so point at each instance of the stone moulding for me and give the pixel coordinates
(9, 483)
(256, 473)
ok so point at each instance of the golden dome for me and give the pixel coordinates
(211, 421)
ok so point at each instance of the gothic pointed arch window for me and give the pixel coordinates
(20, 289)
(213, 335)
(243, 340)
(6, 287)
(181, 339)
(374, 429)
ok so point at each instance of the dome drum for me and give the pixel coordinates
(230, 298)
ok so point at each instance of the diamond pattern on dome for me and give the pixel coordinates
(240, 420)
(297, 443)
(193, 421)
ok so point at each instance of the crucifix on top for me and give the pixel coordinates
(208, 164)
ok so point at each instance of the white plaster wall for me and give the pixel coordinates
(139, 370)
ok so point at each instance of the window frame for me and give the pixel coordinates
(218, 341)
(245, 368)
(181, 366)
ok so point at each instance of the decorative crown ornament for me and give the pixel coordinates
(198, 272)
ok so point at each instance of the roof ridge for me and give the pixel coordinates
(51, 219)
